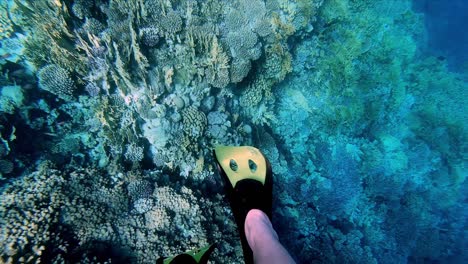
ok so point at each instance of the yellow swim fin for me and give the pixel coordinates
(248, 180)
(196, 256)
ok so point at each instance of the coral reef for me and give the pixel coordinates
(82, 203)
(29, 210)
(110, 109)
(350, 128)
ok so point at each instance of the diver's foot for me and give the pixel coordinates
(248, 180)
(247, 195)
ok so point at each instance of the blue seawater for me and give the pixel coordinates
(444, 23)
(110, 110)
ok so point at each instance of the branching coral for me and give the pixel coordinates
(11, 99)
(29, 209)
(140, 192)
(349, 121)
(134, 153)
(239, 69)
(149, 36)
(51, 38)
(217, 71)
(6, 27)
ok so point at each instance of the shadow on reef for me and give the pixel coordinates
(70, 251)
(101, 251)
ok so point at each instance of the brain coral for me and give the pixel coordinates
(194, 122)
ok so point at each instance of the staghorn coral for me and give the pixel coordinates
(89, 206)
(51, 37)
(191, 60)
(350, 93)
(57, 81)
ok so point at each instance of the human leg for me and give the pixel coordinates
(263, 239)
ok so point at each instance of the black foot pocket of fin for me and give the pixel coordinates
(248, 180)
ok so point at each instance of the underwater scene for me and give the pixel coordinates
(110, 111)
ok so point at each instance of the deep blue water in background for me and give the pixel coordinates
(447, 29)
